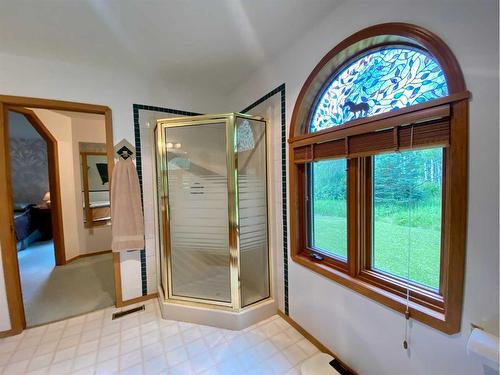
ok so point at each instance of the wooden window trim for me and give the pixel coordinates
(393, 32)
(384, 296)
(426, 296)
(428, 111)
(332, 261)
(439, 309)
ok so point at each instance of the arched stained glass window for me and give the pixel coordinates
(358, 193)
(381, 81)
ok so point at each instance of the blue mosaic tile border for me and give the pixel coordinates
(138, 161)
(281, 91)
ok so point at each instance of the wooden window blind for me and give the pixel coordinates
(429, 129)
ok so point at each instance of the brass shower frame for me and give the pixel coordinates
(229, 121)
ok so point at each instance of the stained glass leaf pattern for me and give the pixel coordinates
(382, 81)
(245, 136)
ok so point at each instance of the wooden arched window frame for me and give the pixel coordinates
(441, 122)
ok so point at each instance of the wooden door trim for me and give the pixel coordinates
(7, 236)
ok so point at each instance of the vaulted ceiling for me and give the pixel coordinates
(206, 43)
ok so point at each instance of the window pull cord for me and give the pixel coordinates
(408, 260)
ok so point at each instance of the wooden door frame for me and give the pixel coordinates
(89, 220)
(7, 235)
(54, 180)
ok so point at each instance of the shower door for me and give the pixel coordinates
(252, 209)
(198, 255)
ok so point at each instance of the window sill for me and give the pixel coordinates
(436, 319)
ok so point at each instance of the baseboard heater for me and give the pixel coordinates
(121, 314)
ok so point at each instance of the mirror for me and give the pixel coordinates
(95, 184)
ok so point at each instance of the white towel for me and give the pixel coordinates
(126, 209)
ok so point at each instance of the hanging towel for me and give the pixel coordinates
(126, 208)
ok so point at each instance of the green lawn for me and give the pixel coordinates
(390, 253)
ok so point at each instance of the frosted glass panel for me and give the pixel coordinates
(252, 202)
(197, 188)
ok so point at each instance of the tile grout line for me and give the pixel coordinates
(269, 331)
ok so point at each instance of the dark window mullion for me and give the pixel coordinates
(310, 199)
(310, 204)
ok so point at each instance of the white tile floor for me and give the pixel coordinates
(143, 343)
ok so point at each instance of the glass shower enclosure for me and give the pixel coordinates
(212, 210)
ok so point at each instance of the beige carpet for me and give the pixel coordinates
(52, 293)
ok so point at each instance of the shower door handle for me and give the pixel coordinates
(167, 206)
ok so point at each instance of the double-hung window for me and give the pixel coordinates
(378, 168)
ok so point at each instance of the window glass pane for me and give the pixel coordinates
(328, 207)
(380, 81)
(407, 199)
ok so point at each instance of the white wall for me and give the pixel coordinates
(93, 130)
(60, 127)
(69, 131)
(112, 86)
(362, 332)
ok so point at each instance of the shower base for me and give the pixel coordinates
(216, 316)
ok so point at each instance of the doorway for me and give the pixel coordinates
(34, 176)
(35, 184)
(52, 271)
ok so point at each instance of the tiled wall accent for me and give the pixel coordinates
(281, 91)
(148, 283)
